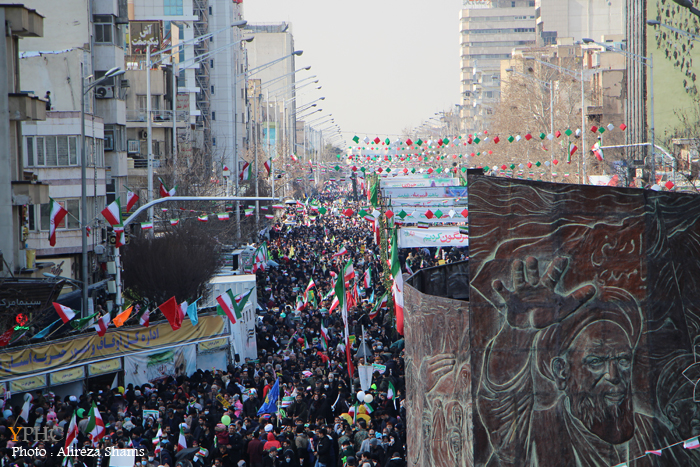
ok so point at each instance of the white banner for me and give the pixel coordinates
(365, 374)
(410, 237)
(456, 203)
(438, 215)
(426, 193)
(140, 369)
(400, 182)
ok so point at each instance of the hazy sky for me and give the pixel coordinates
(385, 65)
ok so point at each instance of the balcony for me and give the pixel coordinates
(29, 192)
(26, 107)
(160, 117)
(25, 22)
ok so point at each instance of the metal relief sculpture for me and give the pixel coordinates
(583, 315)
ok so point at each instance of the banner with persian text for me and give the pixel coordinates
(90, 346)
(434, 236)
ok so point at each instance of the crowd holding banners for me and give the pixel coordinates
(298, 404)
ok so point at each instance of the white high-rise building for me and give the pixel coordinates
(489, 32)
(227, 83)
(578, 19)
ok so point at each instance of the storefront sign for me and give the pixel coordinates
(44, 358)
(434, 236)
(27, 384)
(430, 203)
(107, 366)
(212, 345)
(67, 376)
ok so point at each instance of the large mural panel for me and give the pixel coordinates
(438, 381)
(584, 320)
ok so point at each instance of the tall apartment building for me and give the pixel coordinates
(82, 40)
(19, 189)
(489, 32)
(164, 24)
(272, 42)
(578, 19)
(227, 83)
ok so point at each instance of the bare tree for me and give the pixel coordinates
(178, 262)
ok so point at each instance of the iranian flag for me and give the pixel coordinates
(182, 441)
(246, 172)
(119, 236)
(226, 302)
(268, 166)
(324, 336)
(113, 212)
(342, 251)
(384, 301)
(56, 217)
(156, 441)
(348, 272)
(146, 225)
(368, 279)
(334, 305)
(203, 218)
(597, 151)
(294, 158)
(174, 221)
(131, 198)
(397, 288)
(164, 192)
(692, 443)
(144, 316)
(102, 324)
(391, 391)
(340, 296)
(572, 149)
(72, 432)
(222, 216)
(96, 426)
(278, 206)
(248, 212)
(64, 312)
(311, 285)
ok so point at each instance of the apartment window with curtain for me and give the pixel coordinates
(51, 151)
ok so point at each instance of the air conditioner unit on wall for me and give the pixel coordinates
(104, 92)
(143, 134)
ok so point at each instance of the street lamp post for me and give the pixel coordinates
(235, 127)
(649, 62)
(83, 177)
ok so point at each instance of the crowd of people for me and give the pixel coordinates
(322, 418)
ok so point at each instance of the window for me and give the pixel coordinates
(213, 141)
(104, 29)
(142, 103)
(213, 115)
(212, 89)
(210, 11)
(69, 222)
(211, 63)
(30, 151)
(172, 7)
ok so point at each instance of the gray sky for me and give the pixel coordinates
(384, 65)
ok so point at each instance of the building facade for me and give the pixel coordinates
(19, 189)
(489, 31)
(578, 19)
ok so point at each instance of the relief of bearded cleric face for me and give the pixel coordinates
(582, 345)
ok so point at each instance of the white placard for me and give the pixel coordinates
(410, 237)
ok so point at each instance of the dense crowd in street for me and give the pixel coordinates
(320, 421)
